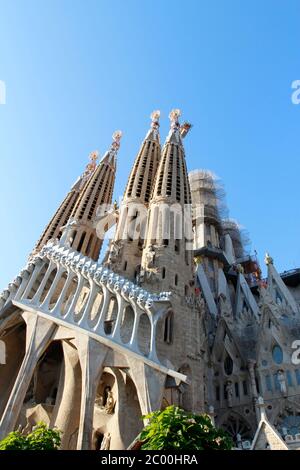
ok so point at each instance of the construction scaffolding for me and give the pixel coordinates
(208, 197)
(239, 236)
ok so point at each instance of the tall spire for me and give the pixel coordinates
(63, 213)
(168, 209)
(133, 213)
(144, 169)
(172, 181)
(97, 190)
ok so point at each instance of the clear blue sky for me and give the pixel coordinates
(77, 70)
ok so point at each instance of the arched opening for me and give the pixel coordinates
(228, 365)
(69, 296)
(44, 384)
(168, 328)
(277, 354)
(38, 281)
(111, 316)
(238, 428)
(58, 290)
(81, 302)
(96, 308)
(81, 241)
(144, 334)
(48, 285)
(127, 324)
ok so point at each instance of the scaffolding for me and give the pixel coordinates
(208, 194)
(239, 236)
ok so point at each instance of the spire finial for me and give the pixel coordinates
(268, 259)
(174, 116)
(90, 167)
(155, 115)
(175, 126)
(117, 135)
(153, 132)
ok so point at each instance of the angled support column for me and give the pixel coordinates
(92, 355)
(67, 409)
(150, 385)
(38, 336)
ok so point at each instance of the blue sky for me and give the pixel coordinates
(75, 71)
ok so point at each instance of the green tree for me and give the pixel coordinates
(176, 429)
(41, 438)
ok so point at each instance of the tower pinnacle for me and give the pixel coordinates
(98, 190)
(63, 213)
(90, 167)
(133, 212)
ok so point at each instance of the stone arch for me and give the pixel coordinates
(111, 315)
(44, 384)
(237, 427)
(127, 324)
(81, 301)
(38, 281)
(57, 290)
(96, 307)
(69, 295)
(48, 284)
(144, 334)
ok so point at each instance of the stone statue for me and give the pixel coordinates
(115, 251)
(268, 259)
(229, 391)
(281, 380)
(150, 255)
(110, 403)
(67, 231)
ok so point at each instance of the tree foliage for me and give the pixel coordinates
(176, 429)
(41, 438)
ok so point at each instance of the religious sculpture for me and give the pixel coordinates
(110, 403)
(229, 391)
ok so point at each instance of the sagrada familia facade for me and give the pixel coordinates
(176, 312)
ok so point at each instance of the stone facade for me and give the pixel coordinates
(177, 313)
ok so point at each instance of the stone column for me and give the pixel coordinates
(150, 385)
(67, 409)
(38, 336)
(92, 355)
(251, 365)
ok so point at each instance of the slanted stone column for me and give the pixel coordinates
(150, 385)
(38, 336)
(67, 409)
(92, 355)
(251, 366)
